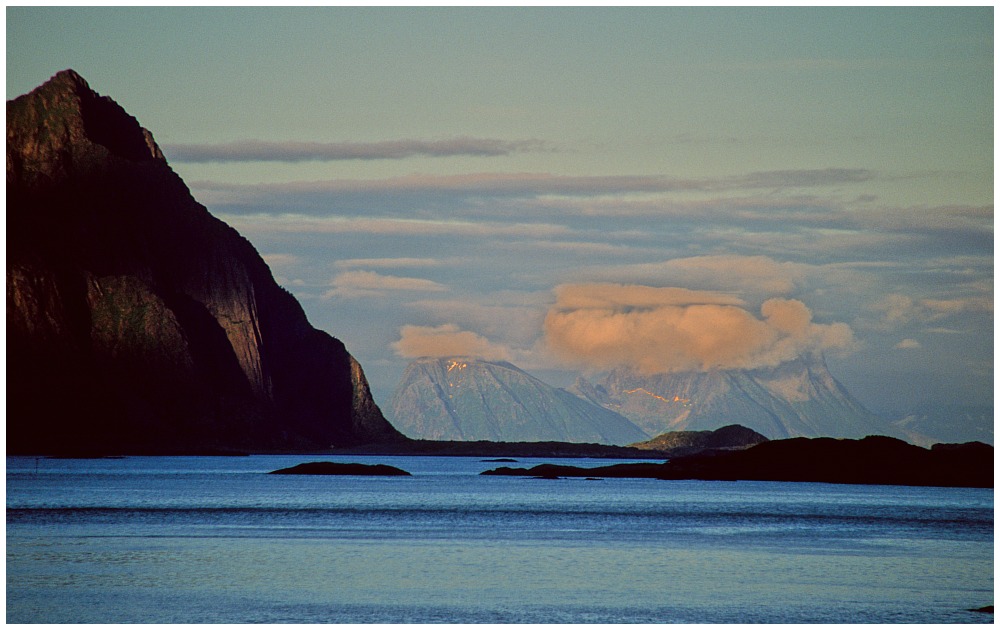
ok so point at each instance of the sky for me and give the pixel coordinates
(572, 189)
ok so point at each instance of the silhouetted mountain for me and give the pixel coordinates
(136, 321)
(466, 399)
(797, 398)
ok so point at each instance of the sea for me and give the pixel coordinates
(218, 540)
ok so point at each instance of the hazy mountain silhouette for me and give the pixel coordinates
(795, 399)
(136, 321)
(466, 399)
(931, 423)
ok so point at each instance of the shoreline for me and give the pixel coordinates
(413, 448)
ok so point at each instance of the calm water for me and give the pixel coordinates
(205, 539)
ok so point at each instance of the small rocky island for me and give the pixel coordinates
(334, 468)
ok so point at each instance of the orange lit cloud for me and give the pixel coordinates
(601, 326)
(447, 340)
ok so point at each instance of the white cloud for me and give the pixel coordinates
(897, 309)
(355, 284)
(388, 263)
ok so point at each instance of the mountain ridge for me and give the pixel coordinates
(799, 398)
(466, 399)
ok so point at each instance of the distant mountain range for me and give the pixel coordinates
(928, 424)
(139, 323)
(465, 399)
(798, 398)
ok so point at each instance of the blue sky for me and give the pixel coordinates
(459, 179)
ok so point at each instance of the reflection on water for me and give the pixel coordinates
(214, 540)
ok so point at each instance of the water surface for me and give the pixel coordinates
(214, 539)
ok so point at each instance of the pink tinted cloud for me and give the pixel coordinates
(667, 329)
(447, 340)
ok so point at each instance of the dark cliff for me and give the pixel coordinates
(136, 321)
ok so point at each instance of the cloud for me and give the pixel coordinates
(963, 220)
(516, 321)
(942, 308)
(282, 266)
(264, 151)
(391, 263)
(600, 326)
(581, 248)
(630, 297)
(763, 207)
(446, 341)
(354, 284)
(542, 184)
(805, 178)
(281, 260)
(897, 309)
(464, 185)
(297, 224)
(908, 344)
(727, 272)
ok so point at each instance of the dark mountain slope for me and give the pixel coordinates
(136, 321)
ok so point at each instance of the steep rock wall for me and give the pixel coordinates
(138, 322)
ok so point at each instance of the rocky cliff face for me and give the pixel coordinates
(465, 399)
(796, 399)
(138, 322)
